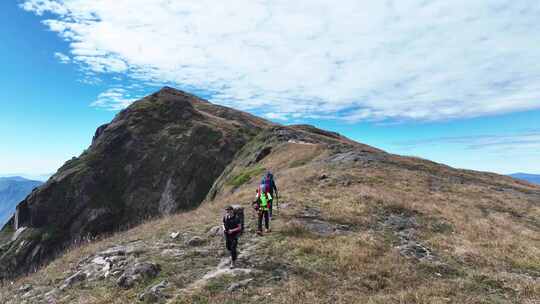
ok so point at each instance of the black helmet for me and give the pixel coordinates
(229, 208)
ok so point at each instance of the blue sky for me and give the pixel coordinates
(457, 83)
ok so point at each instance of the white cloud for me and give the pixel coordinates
(41, 6)
(63, 58)
(114, 99)
(528, 140)
(352, 60)
(277, 116)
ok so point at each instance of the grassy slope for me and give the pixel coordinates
(482, 228)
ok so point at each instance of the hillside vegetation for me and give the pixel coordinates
(355, 225)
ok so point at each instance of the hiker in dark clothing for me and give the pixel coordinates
(232, 228)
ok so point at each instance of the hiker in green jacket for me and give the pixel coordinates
(262, 205)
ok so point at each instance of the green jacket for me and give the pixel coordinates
(264, 199)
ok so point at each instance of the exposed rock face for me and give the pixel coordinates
(160, 155)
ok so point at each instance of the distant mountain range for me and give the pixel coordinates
(532, 178)
(35, 177)
(12, 191)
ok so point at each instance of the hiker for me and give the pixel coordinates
(232, 228)
(268, 185)
(261, 204)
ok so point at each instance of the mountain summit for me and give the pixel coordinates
(158, 156)
(355, 224)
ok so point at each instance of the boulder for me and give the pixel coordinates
(415, 250)
(154, 293)
(400, 222)
(72, 280)
(215, 231)
(238, 285)
(138, 273)
(195, 241)
(25, 288)
(173, 252)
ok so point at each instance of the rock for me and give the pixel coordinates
(115, 251)
(72, 280)
(415, 249)
(173, 252)
(263, 153)
(52, 295)
(400, 222)
(166, 245)
(137, 273)
(18, 233)
(407, 234)
(311, 212)
(175, 235)
(25, 288)
(135, 248)
(320, 227)
(202, 252)
(238, 285)
(323, 176)
(356, 156)
(121, 250)
(99, 261)
(27, 295)
(195, 241)
(154, 293)
(215, 231)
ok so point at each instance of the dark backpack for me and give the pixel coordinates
(268, 182)
(238, 212)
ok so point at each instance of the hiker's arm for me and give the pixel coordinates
(237, 229)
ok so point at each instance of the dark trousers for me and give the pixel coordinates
(270, 204)
(231, 242)
(264, 214)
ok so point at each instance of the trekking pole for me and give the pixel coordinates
(277, 202)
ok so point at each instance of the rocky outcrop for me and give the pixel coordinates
(138, 273)
(159, 156)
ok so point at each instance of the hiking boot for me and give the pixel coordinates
(233, 264)
(259, 232)
(268, 230)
